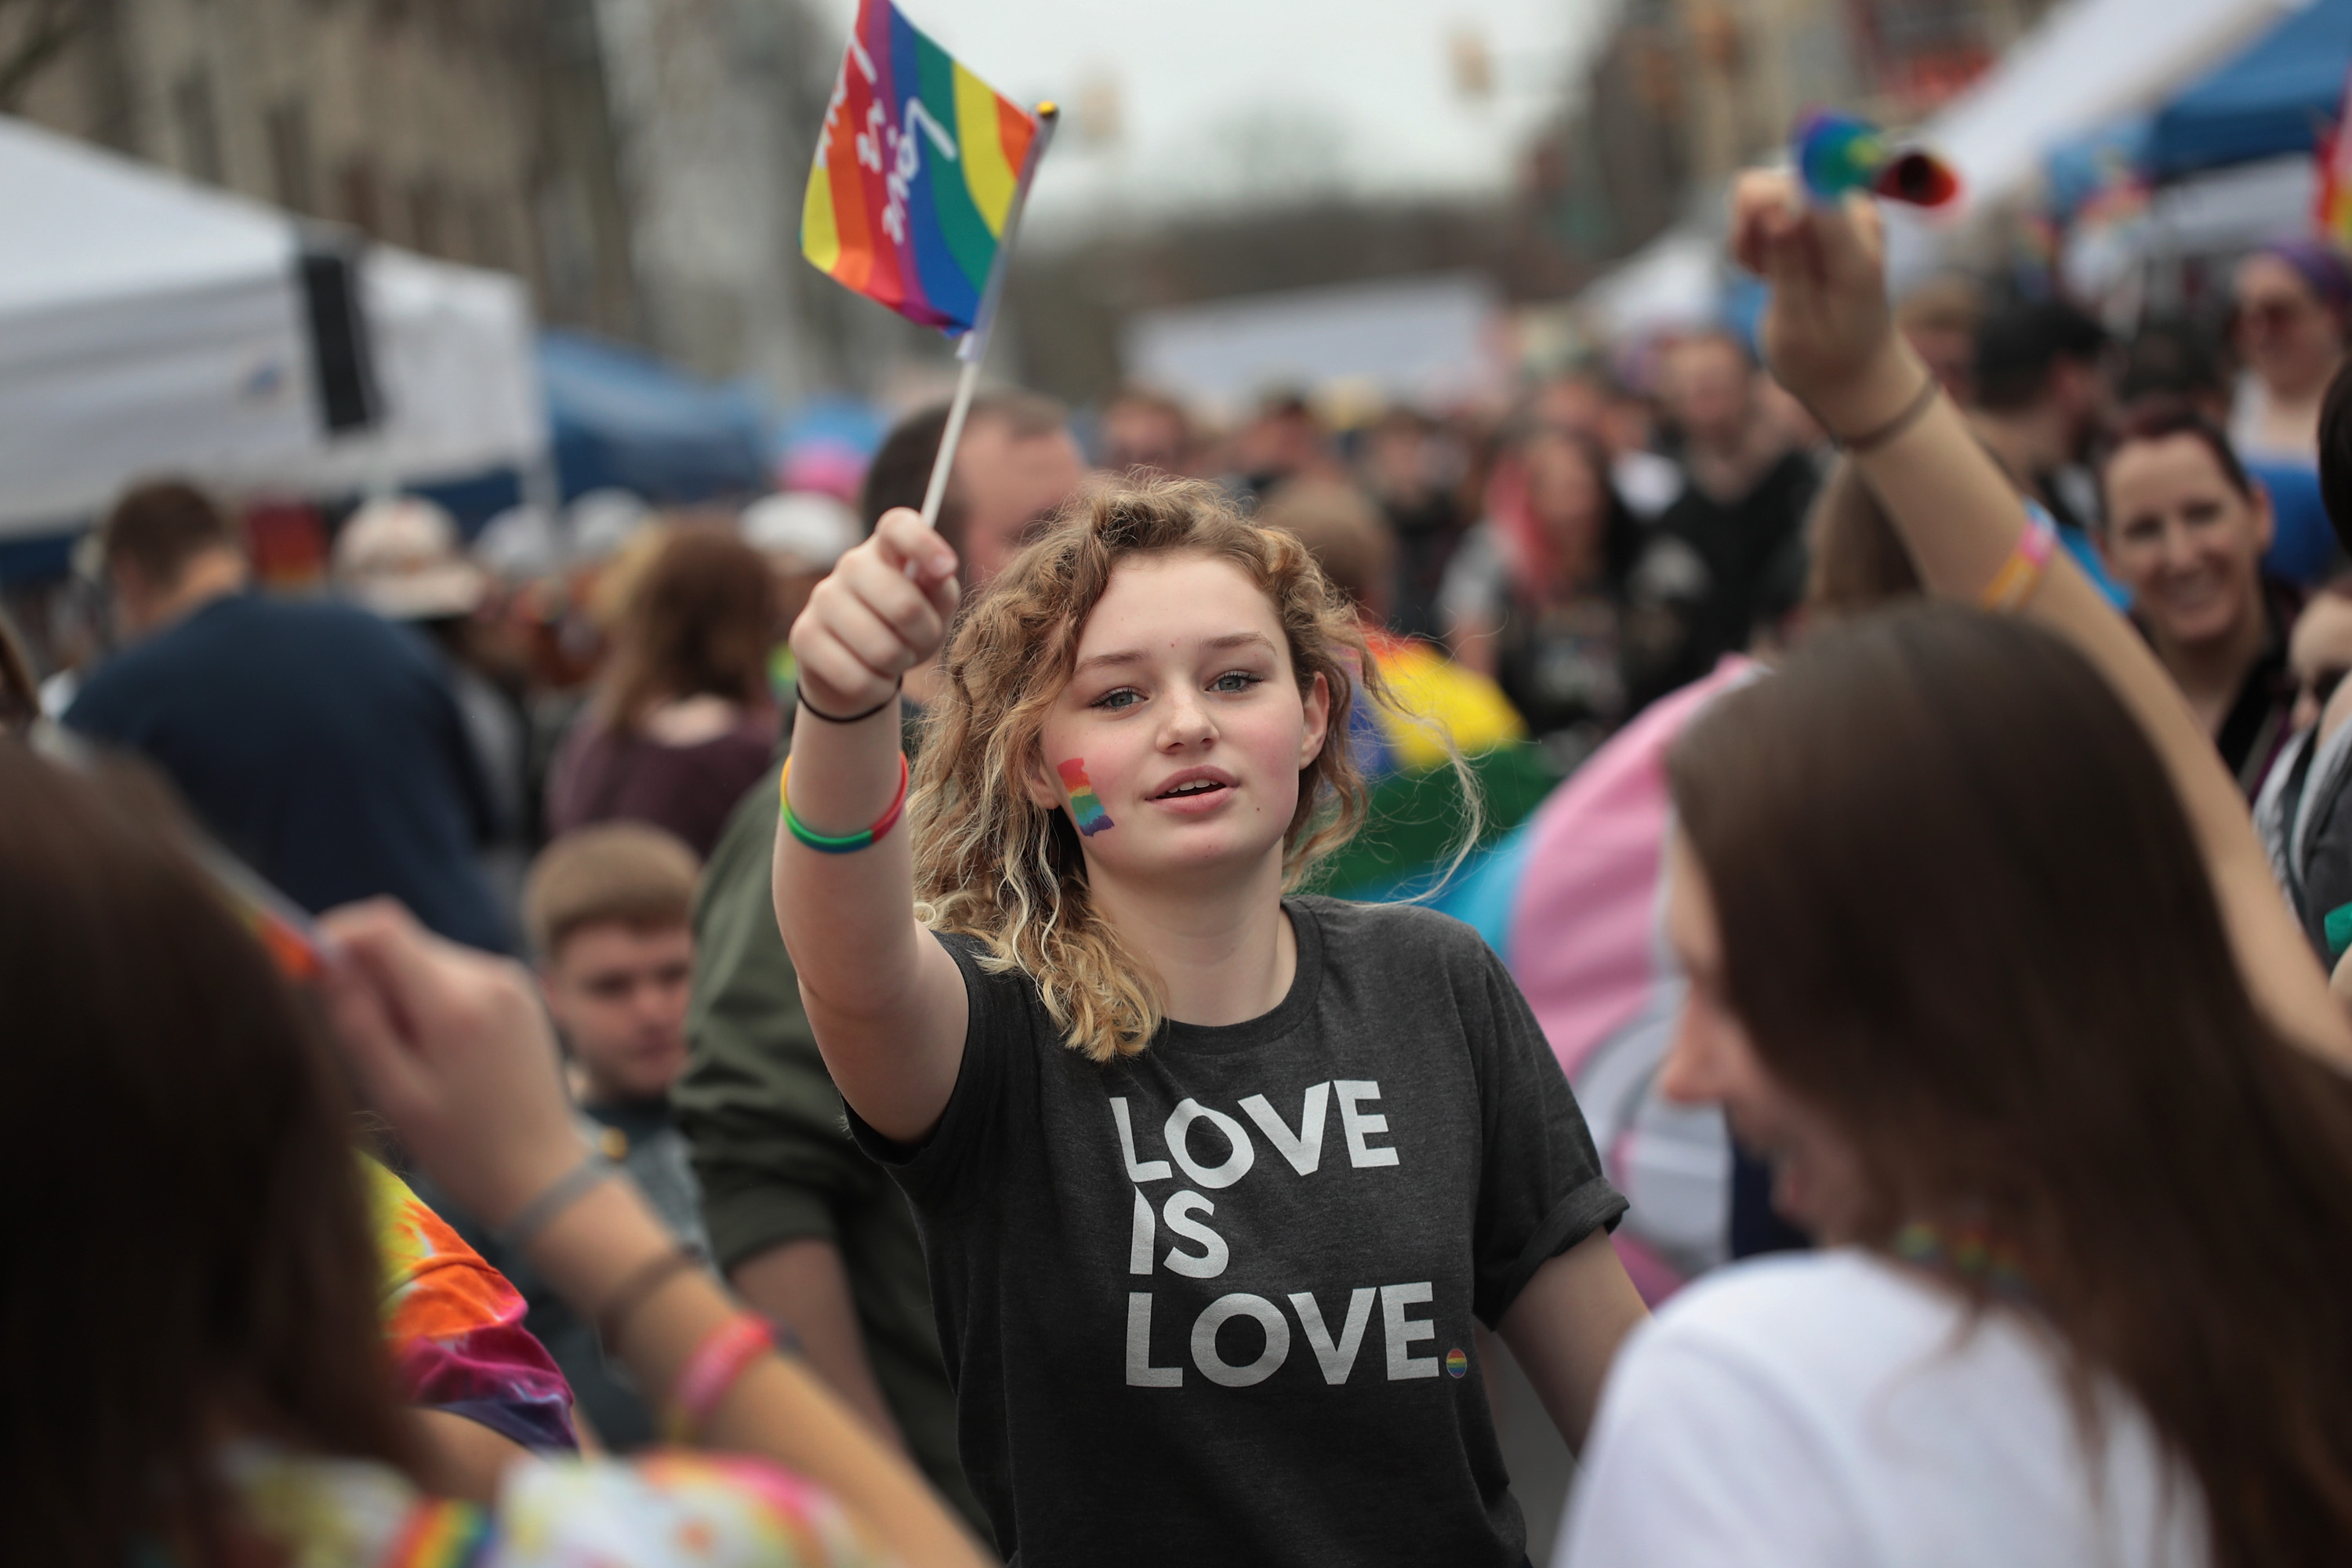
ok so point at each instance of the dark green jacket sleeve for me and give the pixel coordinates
(770, 1145)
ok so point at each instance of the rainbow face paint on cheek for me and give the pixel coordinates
(1086, 806)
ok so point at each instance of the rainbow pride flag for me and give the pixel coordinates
(916, 171)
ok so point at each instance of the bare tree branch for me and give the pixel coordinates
(36, 33)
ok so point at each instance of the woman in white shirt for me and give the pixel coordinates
(1985, 960)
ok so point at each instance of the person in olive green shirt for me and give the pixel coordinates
(807, 1229)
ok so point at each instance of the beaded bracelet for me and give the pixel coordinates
(2022, 572)
(845, 843)
(718, 1363)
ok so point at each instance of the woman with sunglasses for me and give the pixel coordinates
(2292, 302)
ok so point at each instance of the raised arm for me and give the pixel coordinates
(454, 1049)
(886, 1000)
(1829, 340)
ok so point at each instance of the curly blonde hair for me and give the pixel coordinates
(991, 863)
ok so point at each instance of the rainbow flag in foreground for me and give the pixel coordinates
(916, 173)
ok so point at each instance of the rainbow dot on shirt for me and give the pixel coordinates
(1456, 1364)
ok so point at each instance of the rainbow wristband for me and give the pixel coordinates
(716, 1366)
(2022, 572)
(845, 843)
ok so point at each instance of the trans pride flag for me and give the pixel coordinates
(916, 171)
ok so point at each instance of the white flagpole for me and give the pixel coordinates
(973, 349)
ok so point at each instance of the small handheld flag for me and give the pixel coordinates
(293, 940)
(1837, 152)
(918, 172)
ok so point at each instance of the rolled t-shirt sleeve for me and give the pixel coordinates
(954, 1163)
(1541, 1189)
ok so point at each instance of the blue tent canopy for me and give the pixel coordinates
(2273, 99)
(625, 419)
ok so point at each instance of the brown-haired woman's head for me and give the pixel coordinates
(1956, 959)
(1141, 700)
(1857, 562)
(701, 621)
(2184, 527)
(197, 1259)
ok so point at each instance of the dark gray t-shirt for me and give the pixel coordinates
(1214, 1303)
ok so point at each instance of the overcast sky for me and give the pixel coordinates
(1223, 100)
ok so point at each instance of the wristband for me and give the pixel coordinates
(814, 711)
(2022, 572)
(844, 843)
(1871, 440)
(716, 1366)
(567, 1189)
(644, 1283)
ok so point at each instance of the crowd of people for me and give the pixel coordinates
(974, 1095)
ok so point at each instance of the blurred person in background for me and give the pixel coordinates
(2042, 397)
(2305, 808)
(1146, 429)
(1568, 603)
(682, 722)
(1646, 482)
(807, 1229)
(2298, 811)
(401, 559)
(1747, 486)
(20, 694)
(2185, 532)
(1940, 319)
(1415, 817)
(1015, 463)
(213, 1388)
(1587, 882)
(2291, 301)
(1282, 440)
(1406, 469)
(2176, 361)
(322, 744)
(2042, 394)
(606, 913)
(802, 534)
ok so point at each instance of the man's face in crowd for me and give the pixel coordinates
(1708, 390)
(1141, 435)
(618, 992)
(1007, 484)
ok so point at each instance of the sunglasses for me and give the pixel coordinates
(2275, 313)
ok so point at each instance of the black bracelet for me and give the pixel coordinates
(813, 712)
(1871, 440)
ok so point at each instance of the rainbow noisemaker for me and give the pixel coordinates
(1838, 152)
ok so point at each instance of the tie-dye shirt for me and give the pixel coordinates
(665, 1510)
(456, 1326)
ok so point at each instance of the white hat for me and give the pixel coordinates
(399, 558)
(815, 529)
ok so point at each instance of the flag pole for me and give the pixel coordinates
(973, 349)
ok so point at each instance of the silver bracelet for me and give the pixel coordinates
(561, 1194)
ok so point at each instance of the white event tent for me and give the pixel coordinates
(150, 325)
